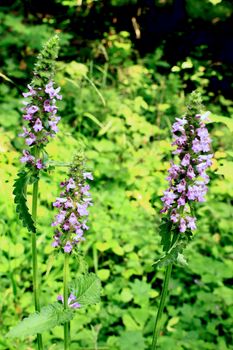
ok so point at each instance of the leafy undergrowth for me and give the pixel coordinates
(128, 148)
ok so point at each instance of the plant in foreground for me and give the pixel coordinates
(41, 123)
(40, 114)
(71, 223)
(187, 185)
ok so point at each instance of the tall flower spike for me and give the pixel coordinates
(187, 184)
(188, 179)
(40, 109)
(73, 204)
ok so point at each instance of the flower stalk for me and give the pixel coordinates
(161, 306)
(70, 224)
(34, 260)
(40, 124)
(188, 181)
(66, 305)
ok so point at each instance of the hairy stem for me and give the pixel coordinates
(34, 260)
(65, 295)
(161, 306)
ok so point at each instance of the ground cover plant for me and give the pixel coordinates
(123, 120)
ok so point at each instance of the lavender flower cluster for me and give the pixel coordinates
(40, 113)
(73, 203)
(188, 180)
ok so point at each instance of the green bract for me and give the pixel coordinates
(44, 68)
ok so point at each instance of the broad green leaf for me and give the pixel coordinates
(174, 254)
(76, 70)
(126, 295)
(130, 323)
(165, 233)
(226, 169)
(227, 121)
(131, 340)
(20, 192)
(87, 289)
(49, 317)
(103, 274)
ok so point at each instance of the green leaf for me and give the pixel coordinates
(76, 70)
(165, 233)
(226, 169)
(20, 192)
(92, 84)
(103, 274)
(182, 260)
(87, 289)
(49, 317)
(219, 119)
(132, 340)
(174, 254)
(94, 119)
(6, 78)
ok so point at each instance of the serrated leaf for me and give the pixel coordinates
(87, 289)
(20, 193)
(165, 233)
(175, 252)
(169, 258)
(49, 317)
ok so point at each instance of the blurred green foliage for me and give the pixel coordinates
(120, 106)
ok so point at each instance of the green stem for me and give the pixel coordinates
(161, 306)
(65, 295)
(34, 260)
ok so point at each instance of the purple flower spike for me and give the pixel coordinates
(188, 179)
(40, 116)
(72, 204)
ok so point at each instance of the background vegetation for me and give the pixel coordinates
(125, 68)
